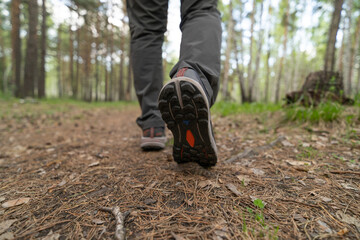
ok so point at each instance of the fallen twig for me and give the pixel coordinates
(120, 221)
(255, 151)
(344, 172)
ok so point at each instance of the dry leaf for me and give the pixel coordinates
(188, 202)
(62, 183)
(319, 181)
(233, 189)
(97, 221)
(244, 179)
(349, 186)
(297, 163)
(305, 144)
(324, 227)
(6, 224)
(177, 237)
(206, 183)
(7, 236)
(51, 236)
(15, 202)
(348, 219)
(342, 232)
(2, 199)
(302, 182)
(299, 218)
(257, 171)
(286, 143)
(325, 199)
(94, 164)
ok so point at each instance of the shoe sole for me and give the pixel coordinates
(156, 143)
(185, 109)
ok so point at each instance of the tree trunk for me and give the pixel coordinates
(354, 50)
(3, 81)
(240, 74)
(16, 47)
(59, 60)
(42, 73)
(129, 77)
(250, 79)
(97, 65)
(225, 87)
(286, 23)
(31, 51)
(111, 77)
(258, 53)
(267, 82)
(77, 92)
(71, 63)
(87, 66)
(121, 73)
(329, 60)
(268, 55)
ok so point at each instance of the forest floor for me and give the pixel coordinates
(62, 163)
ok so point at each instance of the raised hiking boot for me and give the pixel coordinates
(184, 107)
(153, 138)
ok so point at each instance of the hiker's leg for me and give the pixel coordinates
(201, 42)
(147, 20)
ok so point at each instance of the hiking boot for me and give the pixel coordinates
(184, 106)
(153, 138)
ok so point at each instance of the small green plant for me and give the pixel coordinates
(257, 214)
(324, 112)
(307, 153)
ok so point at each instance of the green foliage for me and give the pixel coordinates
(229, 108)
(324, 112)
(307, 153)
(265, 231)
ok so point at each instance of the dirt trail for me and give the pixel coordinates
(72, 164)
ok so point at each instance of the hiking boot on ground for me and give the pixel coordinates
(153, 139)
(184, 106)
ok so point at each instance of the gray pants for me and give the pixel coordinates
(199, 50)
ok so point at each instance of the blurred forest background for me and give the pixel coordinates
(269, 47)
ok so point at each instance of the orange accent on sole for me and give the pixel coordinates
(190, 138)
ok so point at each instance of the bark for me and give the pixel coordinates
(78, 49)
(3, 81)
(286, 23)
(121, 73)
(42, 73)
(268, 55)
(87, 66)
(71, 63)
(348, 50)
(59, 60)
(97, 65)
(129, 76)
(225, 87)
(105, 61)
(16, 47)
(240, 74)
(329, 60)
(354, 49)
(111, 77)
(267, 81)
(250, 79)
(357, 48)
(31, 51)
(258, 53)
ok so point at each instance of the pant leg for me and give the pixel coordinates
(147, 21)
(201, 42)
